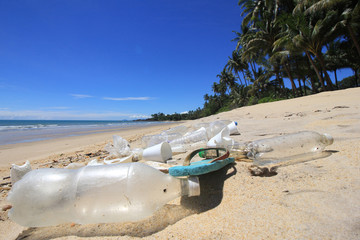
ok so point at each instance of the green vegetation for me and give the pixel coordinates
(298, 41)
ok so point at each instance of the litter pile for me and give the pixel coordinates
(127, 184)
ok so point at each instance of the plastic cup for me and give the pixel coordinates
(159, 153)
(233, 128)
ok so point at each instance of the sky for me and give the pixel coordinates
(111, 60)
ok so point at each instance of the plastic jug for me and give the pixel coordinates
(276, 149)
(94, 194)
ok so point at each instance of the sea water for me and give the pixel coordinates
(19, 131)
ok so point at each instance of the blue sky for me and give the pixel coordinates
(111, 60)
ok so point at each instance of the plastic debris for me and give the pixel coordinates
(159, 153)
(17, 172)
(287, 147)
(190, 140)
(233, 128)
(75, 165)
(222, 139)
(119, 148)
(94, 194)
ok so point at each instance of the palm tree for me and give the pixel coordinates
(252, 9)
(236, 65)
(313, 34)
(348, 15)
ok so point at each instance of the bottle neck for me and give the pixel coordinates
(190, 186)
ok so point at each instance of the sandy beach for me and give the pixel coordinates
(318, 199)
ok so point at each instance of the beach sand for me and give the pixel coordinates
(317, 199)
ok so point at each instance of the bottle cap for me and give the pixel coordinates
(194, 186)
(202, 154)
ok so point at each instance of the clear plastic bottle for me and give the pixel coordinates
(190, 138)
(178, 129)
(286, 147)
(152, 140)
(94, 194)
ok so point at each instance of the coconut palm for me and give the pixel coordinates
(348, 13)
(236, 64)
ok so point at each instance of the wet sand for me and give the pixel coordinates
(318, 199)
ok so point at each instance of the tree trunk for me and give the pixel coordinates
(316, 70)
(300, 89)
(310, 74)
(330, 86)
(244, 79)
(276, 69)
(304, 84)
(253, 70)
(293, 87)
(352, 35)
(336, 80)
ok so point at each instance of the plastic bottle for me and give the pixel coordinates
(152, 140)
(178, 129)
(191, 137)
(289, 146)
(94, 194)
(222, 139)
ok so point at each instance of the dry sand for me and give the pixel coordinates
(318, 199)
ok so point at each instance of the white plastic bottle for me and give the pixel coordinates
(286, 147)
(94, 194)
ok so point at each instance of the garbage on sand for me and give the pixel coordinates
(296, 146)
(94, 194)
(17, 172)
(106, 191)
(183, 139)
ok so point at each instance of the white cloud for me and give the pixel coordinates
(186, 112)
(128, 99)
(68, 115)
(56, 108)
(78, 96)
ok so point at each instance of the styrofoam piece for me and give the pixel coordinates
(159, 153)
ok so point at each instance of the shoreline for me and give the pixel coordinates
(39, 130)
(18, 153)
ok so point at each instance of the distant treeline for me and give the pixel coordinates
(298, 42)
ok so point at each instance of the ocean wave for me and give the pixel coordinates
(27, 127)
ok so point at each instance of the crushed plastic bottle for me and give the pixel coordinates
(196, 138)
(94, 194)
(119, 148)
(282, 148)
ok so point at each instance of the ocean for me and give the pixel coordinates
(19, 131)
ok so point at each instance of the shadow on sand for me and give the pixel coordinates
(211, 196)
